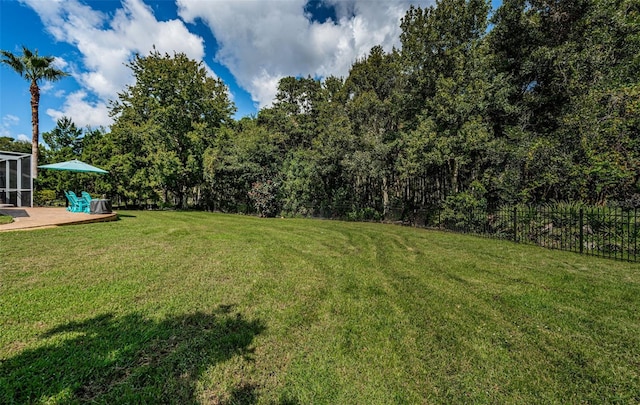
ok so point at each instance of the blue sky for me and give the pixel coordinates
(249, 44)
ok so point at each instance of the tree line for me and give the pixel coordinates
(538, 101)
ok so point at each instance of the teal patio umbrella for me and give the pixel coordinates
(74, 166)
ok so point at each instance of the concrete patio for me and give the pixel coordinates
(25, 218)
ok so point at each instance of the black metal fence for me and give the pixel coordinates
(599, 231)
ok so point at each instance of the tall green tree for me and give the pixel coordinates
(314, 178)
(294, 111)
(34, 68)
(292, 123)
(174, 110)
(448, 88)
(572, 70)
(240, 156)
(64, 139)
(63, 143)
(373, 107)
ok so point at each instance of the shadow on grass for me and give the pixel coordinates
(126, 216)
(128, 359)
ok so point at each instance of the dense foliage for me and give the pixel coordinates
(534, 102)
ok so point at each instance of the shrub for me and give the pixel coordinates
(364, 214)
(264, 196)
(465, 210)
(45, 197)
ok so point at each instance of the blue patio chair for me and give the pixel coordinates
(71, 203)
(73, 200)
(88, 199)
(79, 204)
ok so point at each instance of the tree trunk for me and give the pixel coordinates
(180, 195)
(454, 175)
(385, 196)
(35, 131)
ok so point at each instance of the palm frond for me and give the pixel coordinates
(52, 74)
(27, 54)
(32, 66)
(13, 61)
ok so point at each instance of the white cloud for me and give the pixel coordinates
(262, 41)
(259, 41)
(107, 43)
(46, 87)
(60, 63)
(8, 121)
(82, 111)
(263, 87)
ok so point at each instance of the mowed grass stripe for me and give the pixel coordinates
(192, 307)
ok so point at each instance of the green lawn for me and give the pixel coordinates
(5, 219)
(190, 307)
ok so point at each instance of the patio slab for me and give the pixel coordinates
(25, 218)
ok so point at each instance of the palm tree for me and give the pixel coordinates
(33, 68)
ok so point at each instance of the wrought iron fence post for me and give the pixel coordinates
(581, 224)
